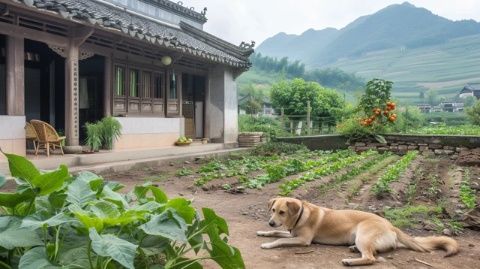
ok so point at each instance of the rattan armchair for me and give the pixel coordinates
(47, 137)
(31, 135)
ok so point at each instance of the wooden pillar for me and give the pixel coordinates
(71, 95)
(15, 76)
(107, 87)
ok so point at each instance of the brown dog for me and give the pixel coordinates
(365, 232)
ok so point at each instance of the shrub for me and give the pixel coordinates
(94, 135)
(54, 220)
(270, 126)
(277, 148)
(474, 113)
(111, 131)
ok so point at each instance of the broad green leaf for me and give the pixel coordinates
(142, 191)
(86, 218)
(149, 206)
(36, 258)
(115, 197)
(74, 258)
(13, 236)
(211, 218)
(183, 208)
(168, 225)
(105, 209)
(57, 199)
(21, 167)
(115, 186)
(79, 192)
(3, 180)
(34, 222)
(88, 176)
(51, 181)
(108, 245)
(13, 199)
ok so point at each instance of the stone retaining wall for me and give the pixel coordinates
(436, 144)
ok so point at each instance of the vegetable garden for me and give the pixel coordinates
(55, 220)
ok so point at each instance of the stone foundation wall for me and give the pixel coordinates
(433, 144)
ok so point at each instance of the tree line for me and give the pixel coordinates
(328, 77)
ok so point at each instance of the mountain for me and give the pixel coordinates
(396, 26)
(383, 44)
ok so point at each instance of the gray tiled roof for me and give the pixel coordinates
(185, 39)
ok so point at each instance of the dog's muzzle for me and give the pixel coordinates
(272, 223)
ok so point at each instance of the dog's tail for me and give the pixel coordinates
(429, 243)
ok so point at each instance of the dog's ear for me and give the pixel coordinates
(293, 207)
(271, 203)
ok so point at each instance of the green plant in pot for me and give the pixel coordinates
(94, 136)
(111, 131)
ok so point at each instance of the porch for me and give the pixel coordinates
(121, 160)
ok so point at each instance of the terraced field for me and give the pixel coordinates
(444, 68)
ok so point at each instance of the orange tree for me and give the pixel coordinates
(374, 113)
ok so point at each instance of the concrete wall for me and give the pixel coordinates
(221, 124)
(318, 142)
(12, 135)
(149, 132)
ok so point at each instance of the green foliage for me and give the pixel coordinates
(325, 166)
(294, 95)
(443, 129)
(393, 172)
(184, 172)
(270, 126)
(111, 131)
(377, 94)
(473, 113)
(54, 220)
(411, 118)
(277, 148)
(467, 194)
(404, 217)
(94, 135)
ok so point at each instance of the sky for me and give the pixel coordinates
(246, 20)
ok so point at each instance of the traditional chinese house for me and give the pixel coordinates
(147, 62)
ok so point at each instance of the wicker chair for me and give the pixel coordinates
(47, 137)
(31, 135)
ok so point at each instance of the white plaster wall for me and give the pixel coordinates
(12, 135)
(214, 119)
(222, 106)
(230, 109)
(134, 125)
(12, 127)
(138, 133)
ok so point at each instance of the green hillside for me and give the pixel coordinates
(409, 45)
(445, 68)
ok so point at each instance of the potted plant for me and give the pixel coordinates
(111, 131)
(183, 141)
(94, 136)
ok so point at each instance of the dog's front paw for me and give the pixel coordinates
(262, 233)
(267, 245)
(347, 262)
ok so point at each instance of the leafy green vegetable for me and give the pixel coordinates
(54, 220)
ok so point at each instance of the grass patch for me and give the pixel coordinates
(185, 171)
(406, 217)
(467, 194)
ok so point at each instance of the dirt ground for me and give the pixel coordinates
(246, 213)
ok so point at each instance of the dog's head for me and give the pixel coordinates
(283, 211)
